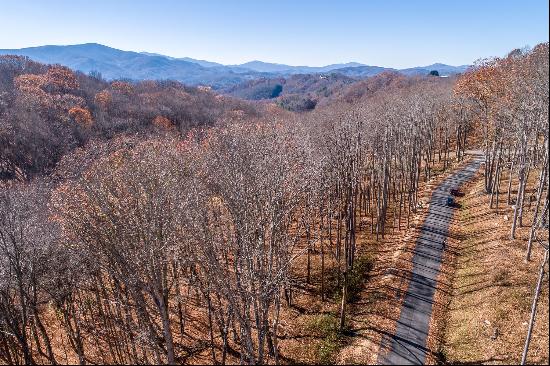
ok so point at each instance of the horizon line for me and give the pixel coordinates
(143, 52)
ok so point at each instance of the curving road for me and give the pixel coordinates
(408, 345)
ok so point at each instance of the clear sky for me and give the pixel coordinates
(387, 33)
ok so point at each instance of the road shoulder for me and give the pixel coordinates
(488, 291)
(374, 316)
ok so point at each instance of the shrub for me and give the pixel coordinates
(361, 268)
(327, 327)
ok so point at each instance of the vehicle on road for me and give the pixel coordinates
(456, 192)
(450, 201)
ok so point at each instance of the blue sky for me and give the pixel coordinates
(376, 32)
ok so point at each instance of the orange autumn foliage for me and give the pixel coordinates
(122, 87)
(81, 116)
(61, 79)
(103, 99)
(163, 122)
(49, 92)
(30, 92)
(479, 84)
(29, 83)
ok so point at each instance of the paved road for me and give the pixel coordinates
(408, 345)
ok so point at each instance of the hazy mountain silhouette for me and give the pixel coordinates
(113, 63)
(261, 66)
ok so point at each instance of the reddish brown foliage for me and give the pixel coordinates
(61, 79)
(103, 99)
(81, 116)
(163, 123)
(122, 87)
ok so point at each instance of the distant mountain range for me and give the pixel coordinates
(117, 64)
(260, 66)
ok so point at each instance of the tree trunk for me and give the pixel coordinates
(534, 309)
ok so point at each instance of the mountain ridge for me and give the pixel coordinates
(114, 63)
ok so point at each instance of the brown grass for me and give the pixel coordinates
(489, 289)
(375, 313)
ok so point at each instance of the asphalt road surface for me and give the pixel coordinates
(408, 345)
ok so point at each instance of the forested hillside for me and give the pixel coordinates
(48, 111)
(153, 222)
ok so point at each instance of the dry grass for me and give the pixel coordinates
(377, 310)
(488, 295)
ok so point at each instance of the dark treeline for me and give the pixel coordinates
(169, 221)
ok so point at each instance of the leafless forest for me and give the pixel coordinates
(151, 222)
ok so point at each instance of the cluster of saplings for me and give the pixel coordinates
(179, 242)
